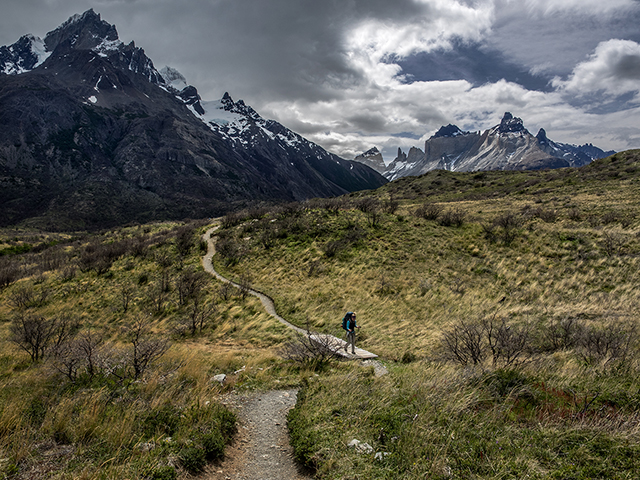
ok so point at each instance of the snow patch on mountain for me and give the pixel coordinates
(107, 47)
(173, 78)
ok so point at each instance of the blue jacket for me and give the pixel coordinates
(351, 324)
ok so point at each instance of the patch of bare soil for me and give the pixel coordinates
(261, 449)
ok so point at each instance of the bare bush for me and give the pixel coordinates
(9, 272)
(126, 295)
(52, 259)
(146, 348)
(229, 250)
(197, 317)
(25, 296)
(97, 257)
(225, 291)
(509, 224)
(429, 211)
(391, 205)
(472, 342)
(463, 343)
(575, 214)
(508, 344)
(244, 285)
(546, 215)
(312, 349)
(562, 334)
(35, 334)
(189, 285)
(605, 345)
(452, 218)
(232, 219)
(613, 243)
(185, 240)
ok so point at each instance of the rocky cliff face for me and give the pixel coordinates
(372, 158)
(507, 146)
(92, 135)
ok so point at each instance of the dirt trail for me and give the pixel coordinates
(261, 449)
(267, 302)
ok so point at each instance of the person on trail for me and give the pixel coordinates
(351, 333)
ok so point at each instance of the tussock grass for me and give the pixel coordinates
(166, 422)
(571, 252)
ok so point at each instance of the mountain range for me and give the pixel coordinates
(507, 146)
(93, 135)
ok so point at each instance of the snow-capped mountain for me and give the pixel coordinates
(507, 146)
(372, 158)
(92, 134)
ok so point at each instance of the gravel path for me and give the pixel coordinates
(261, 450)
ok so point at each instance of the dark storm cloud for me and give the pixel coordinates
(473, 63)
(628, 67)
(351, 72)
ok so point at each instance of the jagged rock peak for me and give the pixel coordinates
(511, 124)
(24, 55)
(449, 131)
(371, 152)
(173, 78)
(83, 32)
(542, 137)
(238, 107)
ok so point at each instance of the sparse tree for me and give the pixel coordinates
(35, 334)
(189, 285)
(145, 347)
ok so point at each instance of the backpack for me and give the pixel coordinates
(346, 318)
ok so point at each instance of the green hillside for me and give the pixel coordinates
(503, 304)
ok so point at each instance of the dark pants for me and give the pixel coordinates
(351, 340)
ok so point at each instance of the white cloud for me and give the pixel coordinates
(582, 7)
(614, 68)
(439, 22)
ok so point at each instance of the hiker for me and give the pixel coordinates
(350, 327)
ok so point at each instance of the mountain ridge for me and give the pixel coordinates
(93, 135)
(506, 146)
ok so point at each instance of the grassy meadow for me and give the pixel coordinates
(503, 304)
(109, 343)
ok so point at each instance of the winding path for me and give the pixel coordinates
(261, 450)
(335, 343)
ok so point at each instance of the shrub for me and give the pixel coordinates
(605, 345)
(428, 211)
(193, 459)
(164, 420)
(509, 223)
(9, 272)
(164, 472)
(35, 334)
(213, 445)
(312, 349)
(474, 341)
(452, 218)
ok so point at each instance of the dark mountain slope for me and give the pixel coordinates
(91, 135)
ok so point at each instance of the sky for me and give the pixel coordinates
(353, 74)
